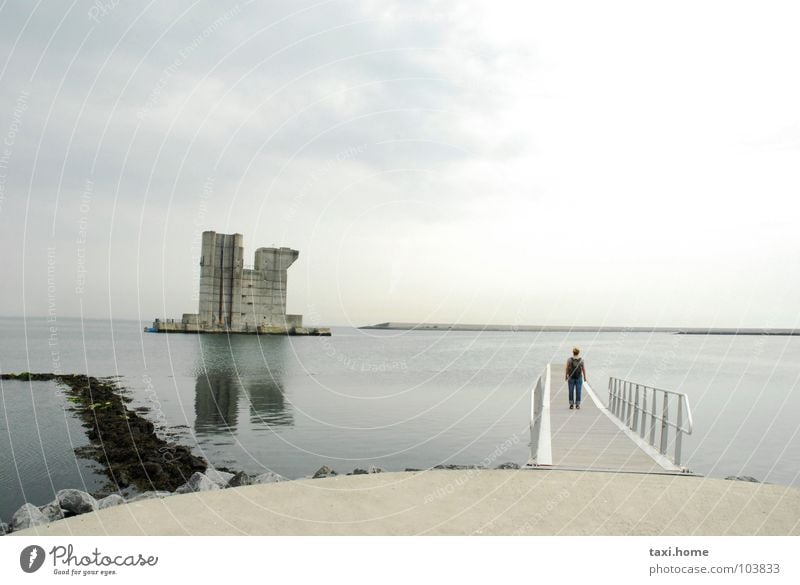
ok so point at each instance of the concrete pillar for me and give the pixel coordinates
(221, 264)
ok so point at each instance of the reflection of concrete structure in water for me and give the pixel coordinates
(238, 299)
(223, 382)
(216, 402)
(267, 403)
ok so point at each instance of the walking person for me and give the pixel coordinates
(575, 374)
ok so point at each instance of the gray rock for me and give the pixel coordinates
(268, 477)
(360, 471)
(412, 469)
(221, 478)
(197, 483)
(457, 467)
(150, 496)
(111, 501)
(75, 502)
(508, 465)
(26, 517)
(4, 528)
(240, 479)
(742, 478)
(324, 471)
(52, 511)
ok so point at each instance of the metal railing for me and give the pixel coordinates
(629, 402)
(541, 451)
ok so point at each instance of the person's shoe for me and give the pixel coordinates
(578, 406)
(571, 406)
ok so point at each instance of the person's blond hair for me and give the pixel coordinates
(575, 351)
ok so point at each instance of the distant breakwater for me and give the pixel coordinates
(402, 326)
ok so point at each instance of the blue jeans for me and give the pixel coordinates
(575, 387)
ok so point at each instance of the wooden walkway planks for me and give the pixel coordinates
(587, 438)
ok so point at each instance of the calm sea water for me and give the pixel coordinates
(394, 399)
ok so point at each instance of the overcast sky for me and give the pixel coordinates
(620, 163)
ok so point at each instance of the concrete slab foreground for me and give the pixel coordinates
(502, 502)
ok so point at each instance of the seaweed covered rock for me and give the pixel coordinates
(370, 469)
(508, 465)
(746, 478)
(324, 471)
(240, 479)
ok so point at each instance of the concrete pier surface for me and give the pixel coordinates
(482, 502)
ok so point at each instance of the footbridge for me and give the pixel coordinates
(639, 429)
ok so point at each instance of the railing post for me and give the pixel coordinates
(644, 412)
(635, 424)
(653, 420)
(630, 405)
(679, 432)
(623, 413)
(664, 427)
(610, 394)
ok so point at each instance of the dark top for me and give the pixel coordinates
(574, 365)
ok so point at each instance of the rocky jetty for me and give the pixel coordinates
(122, 441)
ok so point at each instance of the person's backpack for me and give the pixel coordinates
(575, 364)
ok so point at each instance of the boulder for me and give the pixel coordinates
(324, 471)
(27, 517)
(4, 528)
(457, 467)
(221, 478)
(508, 465)
(268, 477)
(742, 478)
(111, 501)
(75, 502)
(52, 511)
(371, 469)
(240, 479)
(197, 483)
(150, 496)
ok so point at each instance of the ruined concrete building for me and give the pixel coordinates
(234, 298)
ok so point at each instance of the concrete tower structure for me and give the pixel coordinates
(221, 266)
(239, 299)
